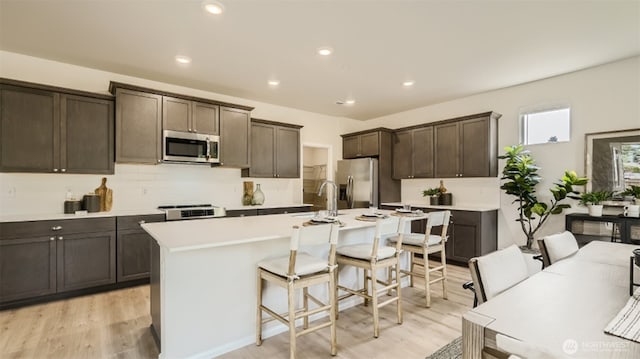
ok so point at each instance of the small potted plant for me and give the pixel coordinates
(434, 195)
(593, 201)
(633, 191)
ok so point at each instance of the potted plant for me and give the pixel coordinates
(521, 175)
(593, 201)
(433, 193)
(633, 191)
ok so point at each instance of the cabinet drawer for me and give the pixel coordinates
(133, 222)
(58, 227)
(283, 210)
(242, 212)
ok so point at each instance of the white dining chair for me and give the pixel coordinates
(557, 246)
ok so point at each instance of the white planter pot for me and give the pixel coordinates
(595, 210)
(637, 200)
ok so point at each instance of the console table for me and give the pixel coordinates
(624, 224)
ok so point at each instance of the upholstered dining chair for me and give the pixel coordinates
(498, 271)
(372, 257)
(300, 270)
(557, 246)
(420, 246)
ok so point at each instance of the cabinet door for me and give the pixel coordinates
(134, 250)
(370, 144)
(176, 114)
(423, 152)
(263, 148)
(27, 267)
(464, 236)
(446, 150)
(86, 135)
(29, 130)
(205, 118)
(138, 127)
(350, 147)
(235, 130)
(287, 152)
(474, 148)
(86, 260)
(402, 155)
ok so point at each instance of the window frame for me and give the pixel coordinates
(522, 119)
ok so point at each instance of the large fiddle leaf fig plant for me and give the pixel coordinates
(521, 177)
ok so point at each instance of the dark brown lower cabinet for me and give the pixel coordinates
(86, 260)
(48, 258)
(134, 247)
(27, 267)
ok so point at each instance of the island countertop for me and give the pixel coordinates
(189, 235)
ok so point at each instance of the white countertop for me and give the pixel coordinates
(60, 216)
(456, 207)
(217, 232)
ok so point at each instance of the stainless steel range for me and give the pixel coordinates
(193, 211)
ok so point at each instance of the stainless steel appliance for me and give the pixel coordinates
(357, 183)
(192, 211)
(190, 147)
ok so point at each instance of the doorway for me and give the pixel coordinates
(315, 169)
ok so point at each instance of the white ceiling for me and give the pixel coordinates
(450, 48)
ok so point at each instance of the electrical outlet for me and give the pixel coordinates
(144, 191)
(11, 192)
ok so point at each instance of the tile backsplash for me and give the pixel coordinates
(465, 191)
(140, 187)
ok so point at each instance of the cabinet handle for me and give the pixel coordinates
(60, 238)
(142, 222)
(159, 161)
(63, 170)
(52, 238)
(55, 170)
(221, 163)
(56, 228)
(190, 130)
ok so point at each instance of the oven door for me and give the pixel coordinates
(186, 147)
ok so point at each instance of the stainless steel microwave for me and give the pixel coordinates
(190, 147)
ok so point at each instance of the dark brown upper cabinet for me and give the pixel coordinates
(50, 129)
(413, 153)
(235, 136)
(275, 150)
(138, 127)
(366, 144)
(189, 116)
(467, 146)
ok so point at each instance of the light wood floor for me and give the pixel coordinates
(116, 325)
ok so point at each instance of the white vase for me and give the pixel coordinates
(258, 196)
(595, 210)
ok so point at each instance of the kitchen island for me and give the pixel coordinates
(203, 278)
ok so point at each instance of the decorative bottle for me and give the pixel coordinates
(258, 196)
(442, 188)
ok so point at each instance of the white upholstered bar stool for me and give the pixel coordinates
(420, 246)
(301, 270)
(371, 257)
(557, 246)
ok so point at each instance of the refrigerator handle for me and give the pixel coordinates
(350, 191)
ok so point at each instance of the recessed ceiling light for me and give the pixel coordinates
(408, 83)
(213, 7)
(184, 60)
(349, 102)
(273, 83)
(325, 51)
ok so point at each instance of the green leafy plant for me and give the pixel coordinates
(596, 197)
(632, 191)
(431, 192)
(521, 175)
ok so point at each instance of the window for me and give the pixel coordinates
(545, 126)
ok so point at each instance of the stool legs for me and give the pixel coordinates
(374, 300)
(305, 303)
(366, 286)
(292, 321)
(443, 261)
(259, 311)
(396, 269)
(427, 285)
(333, 313)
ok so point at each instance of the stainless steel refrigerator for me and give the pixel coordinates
(357, 182)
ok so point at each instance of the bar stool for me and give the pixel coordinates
(420, 246)
(301, 270)
(371, 257)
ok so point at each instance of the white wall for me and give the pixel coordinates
(602, 98)
(144, 187)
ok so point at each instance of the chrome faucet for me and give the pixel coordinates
(333, 208)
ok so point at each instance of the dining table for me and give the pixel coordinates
(560, 312)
